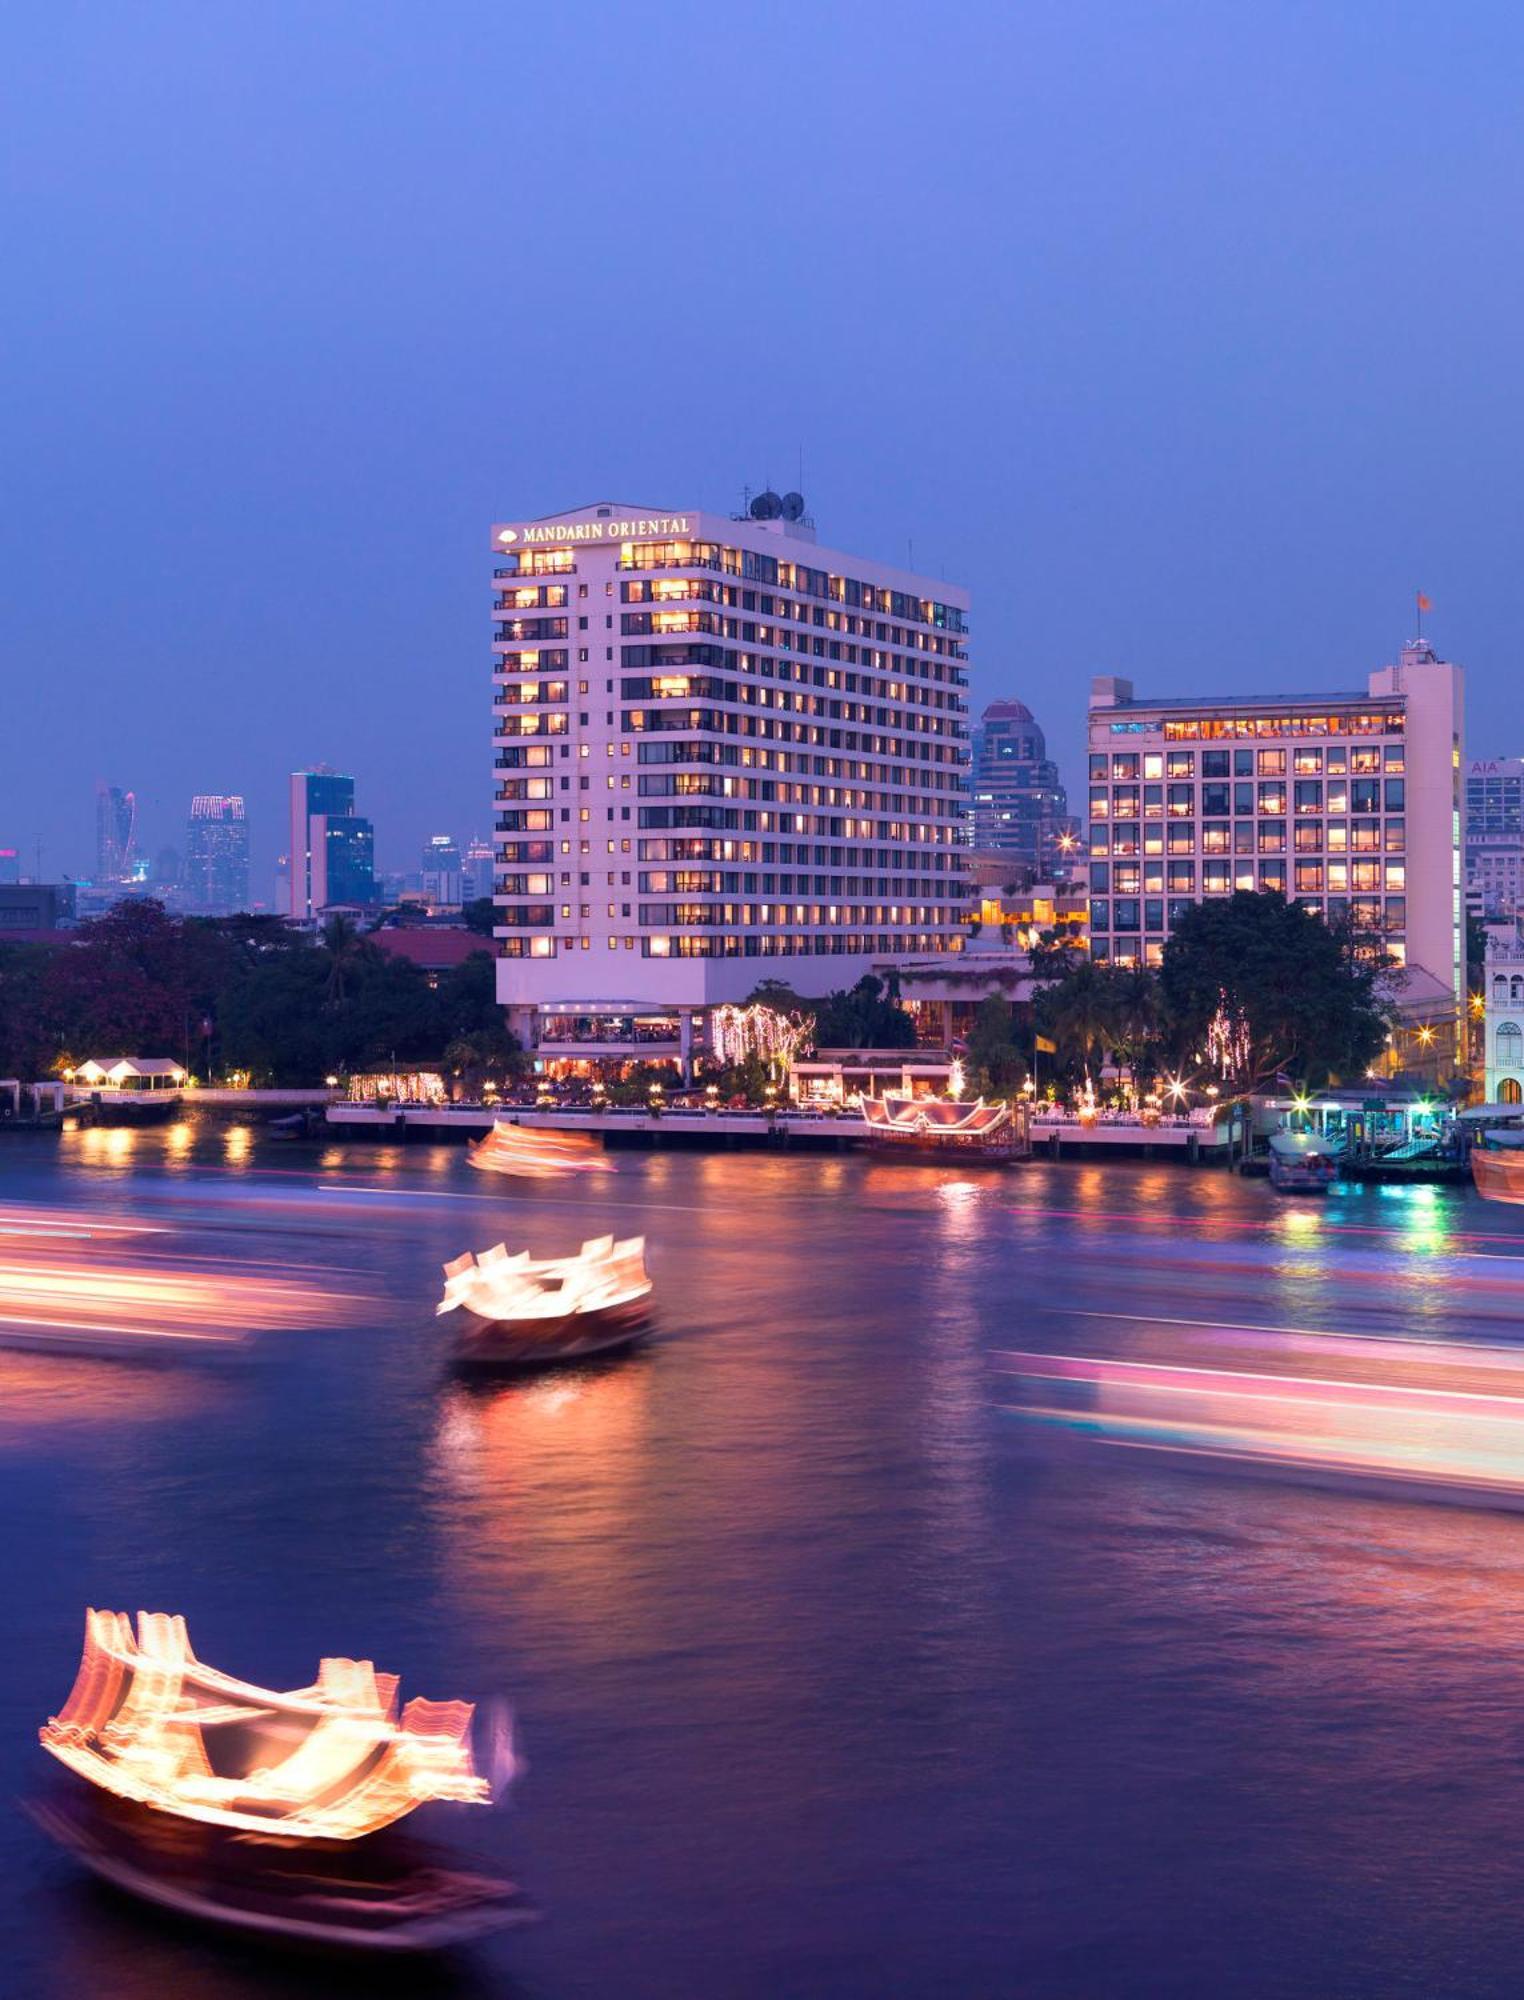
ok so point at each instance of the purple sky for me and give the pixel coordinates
(1187, 336)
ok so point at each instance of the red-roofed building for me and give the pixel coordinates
(436, 948)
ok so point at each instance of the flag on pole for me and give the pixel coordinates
(1045, 1047)
(1425, 603)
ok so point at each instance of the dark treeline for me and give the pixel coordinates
(242, 993)
(247, 993)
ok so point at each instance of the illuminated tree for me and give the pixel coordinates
(1254, 985)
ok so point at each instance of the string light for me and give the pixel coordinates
(1227, 1039)
(736, 1034)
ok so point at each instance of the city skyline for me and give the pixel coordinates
(1203, 429)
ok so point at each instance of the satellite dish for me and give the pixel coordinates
(766, 507)
(793, 506)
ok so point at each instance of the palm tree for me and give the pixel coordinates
(1082, 1013)
(344, 948)
(1136, 1015)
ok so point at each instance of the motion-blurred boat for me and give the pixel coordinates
(532, 1154)
(523, 1313)
(1430, 1419)
(261, 1810)
(1302, 1163)
(384, 1894)
(1498, 1171)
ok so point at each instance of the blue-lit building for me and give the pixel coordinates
(215, 877)
(332, 847)
(1019, 807)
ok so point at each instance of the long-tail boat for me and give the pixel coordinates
(531, 1153)
(1498, 1171)
(938, 1125)
(266, 1811)
(519, 1312)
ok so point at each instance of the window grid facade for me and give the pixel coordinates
(724, 745)
(1349, 803)
(1495, 834)
(1323, 822)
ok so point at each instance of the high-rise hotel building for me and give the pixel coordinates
(723, 754)
(1350, 803)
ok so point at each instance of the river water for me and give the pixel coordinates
(827, 1682)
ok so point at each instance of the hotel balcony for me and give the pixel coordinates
(616, 1037)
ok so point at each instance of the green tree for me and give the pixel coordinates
(478, 1043)
(468, 1002)
(997, 1067)
(1305, 992)
(780, 996)
(748, 1079)
(343, 952)
(122, 985)
(488, 1056)
(1136, 1017)
(863, 1019)
(1081, 1012)
(1476, 953)
(480, 915)
(273, 1019)
(27, 1050)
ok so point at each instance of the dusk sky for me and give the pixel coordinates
(1186, 336)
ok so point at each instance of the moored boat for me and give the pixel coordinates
(1302, 1163)
(519, 1312)
(937, 1125)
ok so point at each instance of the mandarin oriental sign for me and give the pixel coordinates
(595, 531)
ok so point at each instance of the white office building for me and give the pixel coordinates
(1503, 1019)
(1350, 803)
(723, 754)
(1495, 836)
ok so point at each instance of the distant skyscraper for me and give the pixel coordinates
(441, 871)
(349, 861)
(216, 872)
(1495, 834)
(1019, 805)
(332, 848)
(116, 827)
(476, 870)
(10, 865)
